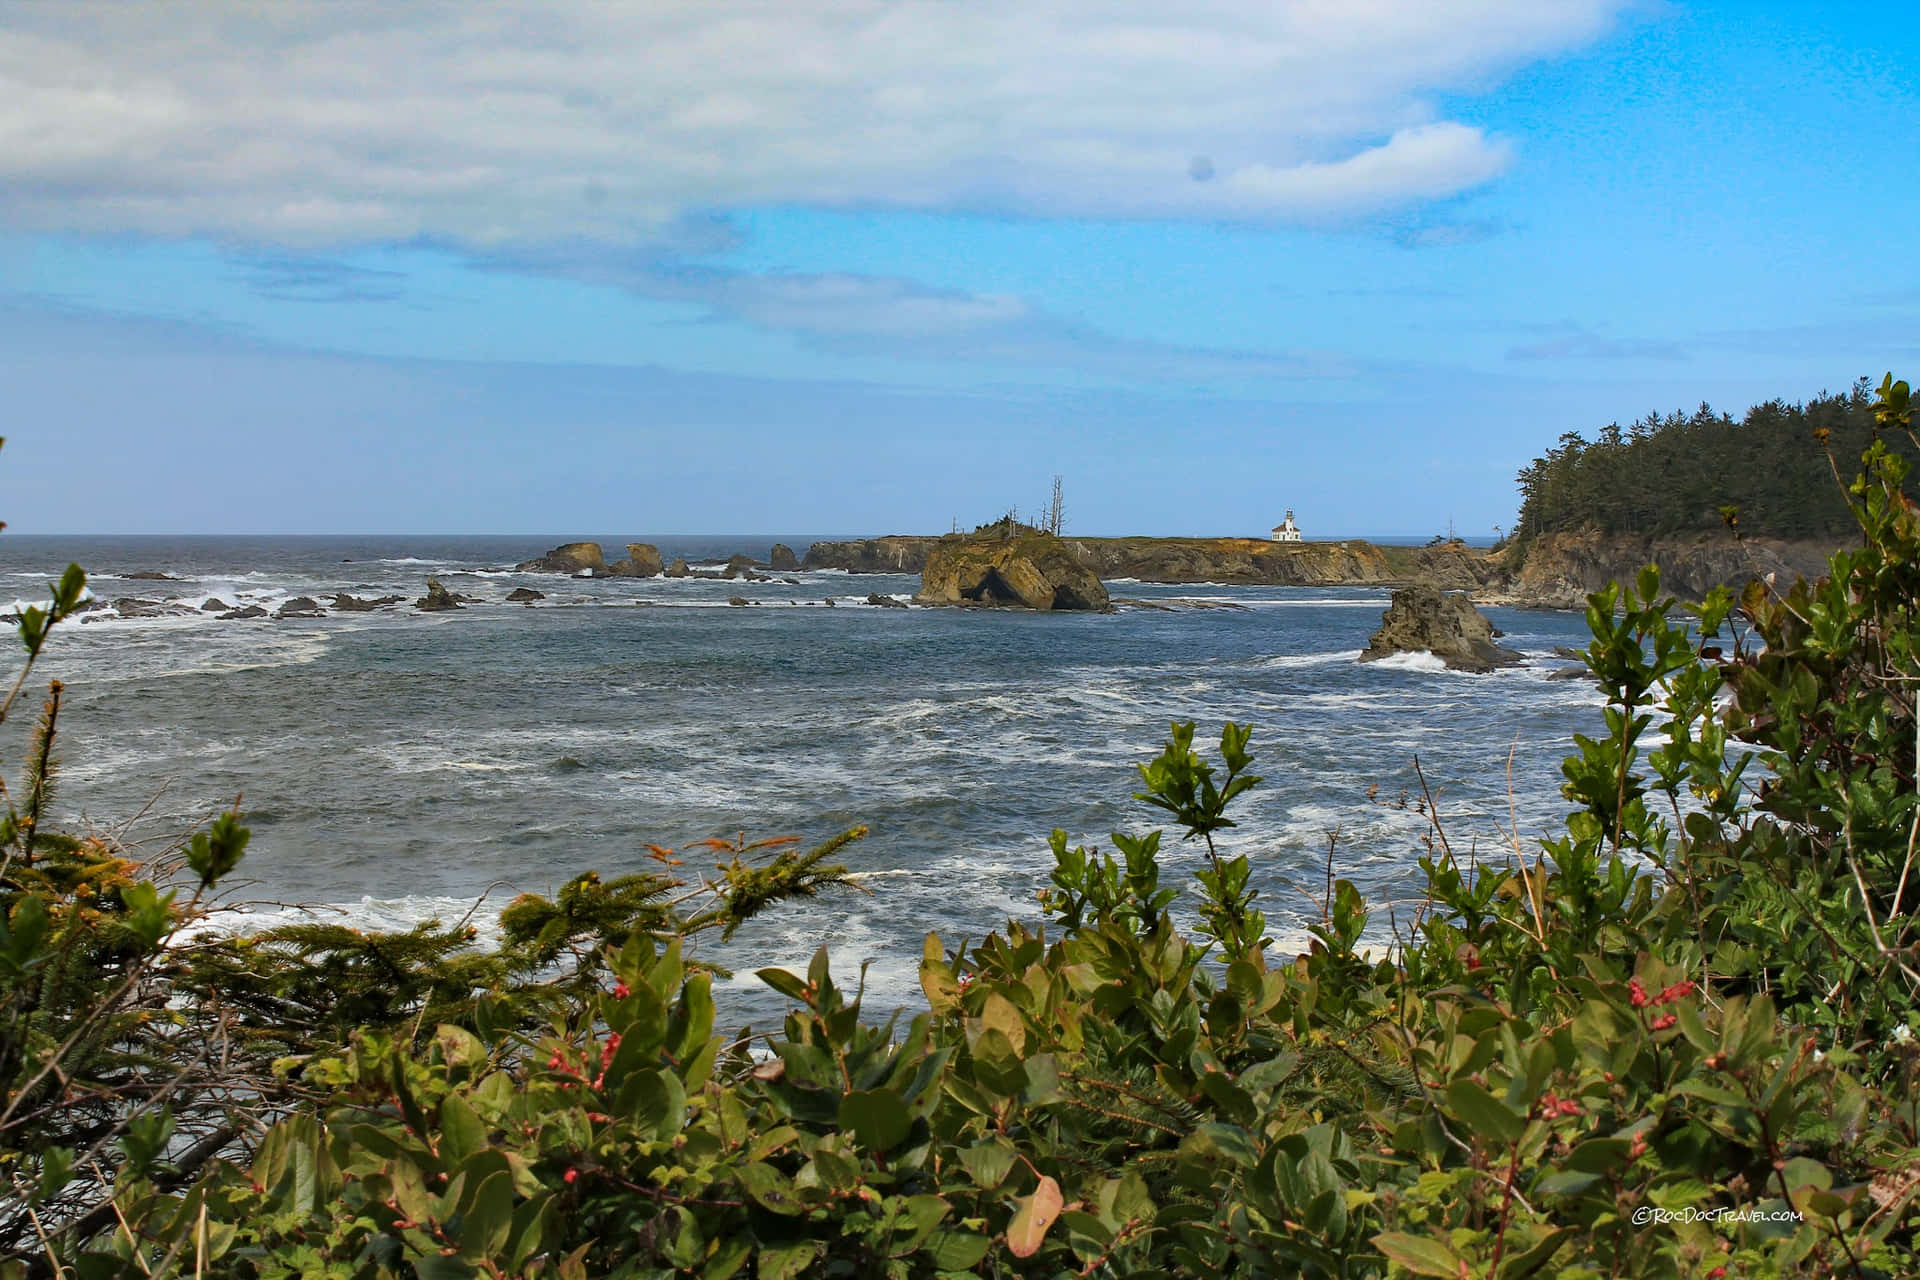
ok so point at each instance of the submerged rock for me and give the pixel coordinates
(344, 603)
(568, 557)
(738, 600)
(1026, 571)
(150, 575)
(782, 559)
(1445, 624)
(251, 611)
(883, 602)
(523, 595)
(437, 598)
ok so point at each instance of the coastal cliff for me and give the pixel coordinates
(1558, 570)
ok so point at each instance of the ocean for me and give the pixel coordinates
(398, 766)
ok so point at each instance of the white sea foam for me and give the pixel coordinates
(1286, 660)
(381, 914)
(1417, 660)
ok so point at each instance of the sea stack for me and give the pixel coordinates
(1022, 570)
(1443, 623)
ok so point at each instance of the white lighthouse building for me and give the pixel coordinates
(1287, 530)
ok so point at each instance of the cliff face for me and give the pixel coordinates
(1560, 569)
(1242, 560)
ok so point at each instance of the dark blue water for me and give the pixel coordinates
(396, 765)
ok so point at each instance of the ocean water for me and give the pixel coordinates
(396, 766)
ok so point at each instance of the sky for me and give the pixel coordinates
(871, 266)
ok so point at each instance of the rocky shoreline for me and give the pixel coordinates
(1025, 569)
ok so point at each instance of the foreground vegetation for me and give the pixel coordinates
(1675, 474)
(1673, 1041)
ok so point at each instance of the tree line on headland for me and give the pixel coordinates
(1679, 473)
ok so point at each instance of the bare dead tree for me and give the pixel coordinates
(1055, 520)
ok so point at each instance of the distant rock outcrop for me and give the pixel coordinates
(251, 611)
(781, 559)
(1026, 571)
(879, 601)
(568, 557)
(740, 567)
(678, 569)
(896, 554)
(524, 595)
(215, 604)
(1445, 624)
(301, 607)
(437, 598)
(643, 561)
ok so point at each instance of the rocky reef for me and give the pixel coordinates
(1026, 571)
(1421, 618)
(589, 559)
(437, 599)
(781, 559)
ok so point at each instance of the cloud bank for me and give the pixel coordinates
(522, 123)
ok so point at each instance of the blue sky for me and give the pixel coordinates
(879, 266)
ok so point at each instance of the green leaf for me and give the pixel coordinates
(56, 1171)
(936, 978)
(1485, 1114)
(783, 1262)
(462, 1132)
(489, 1216)
(988, 1162)
(877, 1117)
(1419, 1254)
(787, 983)
(769, 1188)
(955, 1250)
(1221, 1142)
(1534, 1256)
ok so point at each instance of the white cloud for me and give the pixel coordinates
(537, 122)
